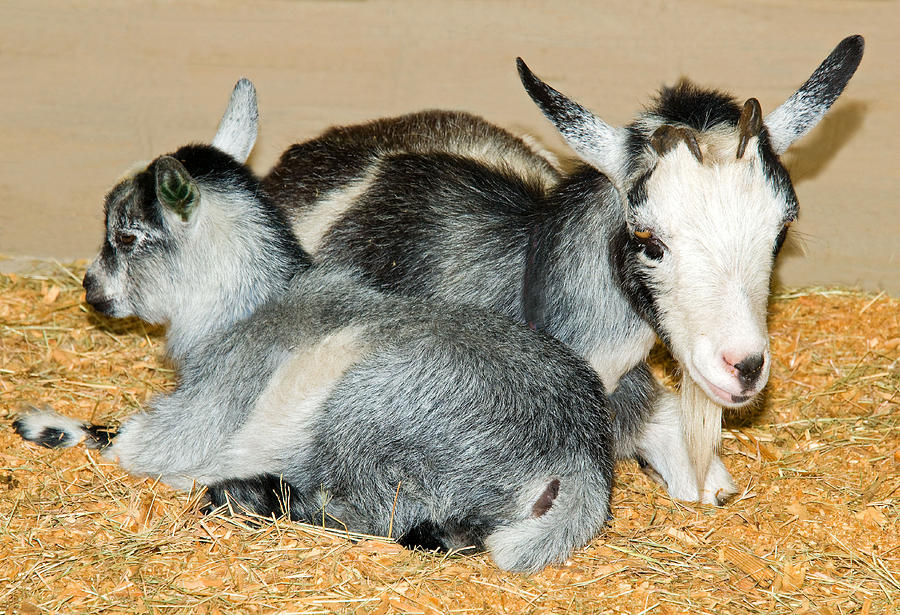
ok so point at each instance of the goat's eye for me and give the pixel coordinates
(779, 240)
(125, 239)
(652, 247)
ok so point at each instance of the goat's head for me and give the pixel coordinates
(707, 206)
(188, 239)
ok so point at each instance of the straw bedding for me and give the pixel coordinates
(816, 528)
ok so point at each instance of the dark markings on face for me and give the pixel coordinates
(779, 240)
(133, 203)
(701, 109)
(778, 177)
(633, 279)
(637, 194)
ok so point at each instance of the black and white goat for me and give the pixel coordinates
(446, 425)
(671, 231)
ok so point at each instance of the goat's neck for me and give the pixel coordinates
(583, 305)
(252, 282)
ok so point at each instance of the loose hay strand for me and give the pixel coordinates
(816, 529)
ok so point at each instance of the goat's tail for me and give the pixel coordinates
(569, 513)
(46, 427)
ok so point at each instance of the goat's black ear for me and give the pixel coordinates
(803, 110)
(175, 188)
(595, 141)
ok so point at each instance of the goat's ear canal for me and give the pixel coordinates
(175, 188)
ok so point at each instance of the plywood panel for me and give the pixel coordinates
(90, 88)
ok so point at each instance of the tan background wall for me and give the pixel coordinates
(91, 87)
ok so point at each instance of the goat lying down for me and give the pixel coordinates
(668, 231)
(453, 426)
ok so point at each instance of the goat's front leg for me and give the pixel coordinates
(156, 445)
(663, 447)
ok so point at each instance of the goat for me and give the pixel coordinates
(303, 390)
(669, 231)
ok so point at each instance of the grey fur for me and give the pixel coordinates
(435, 205)
(351, 396)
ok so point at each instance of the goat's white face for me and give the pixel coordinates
(707, 205)
(706, 236)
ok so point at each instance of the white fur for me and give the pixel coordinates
(238, 129)
(312, 224)
(629, 355)
(719, 222)
(291, 402)
(600, 145)
(664, 446)
(32, 424)
(212, 264)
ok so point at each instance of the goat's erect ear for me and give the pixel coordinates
(175, 188)
(595, 141)
(238, 128)
(802, 111)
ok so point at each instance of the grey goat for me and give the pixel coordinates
(301, 389)
(669, 231)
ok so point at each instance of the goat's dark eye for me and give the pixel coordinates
(125, 239)
(652, 247)
(782, 235)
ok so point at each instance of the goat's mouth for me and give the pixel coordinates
(721, 395)
(106, 306)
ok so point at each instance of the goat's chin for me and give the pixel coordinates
(109, 307)
(720, 395)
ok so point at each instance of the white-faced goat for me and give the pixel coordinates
(446, 425)
(671, 231)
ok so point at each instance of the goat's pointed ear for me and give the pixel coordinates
(175, 188)
(238, 128)
(595, 141)
(802, 111)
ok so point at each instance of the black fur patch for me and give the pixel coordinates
(453, 534)
(399, 246)
(684, 103)
(637, 194)
(102, 435)
(831, 77)
(265, 495)
(696, 107)
(308, 170)
(633, 280)
(49, 437)
(534, 294)
(777, 175)
(546, 499)
(425, 537)
(779, 240)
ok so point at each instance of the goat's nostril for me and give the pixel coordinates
(749, 369)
